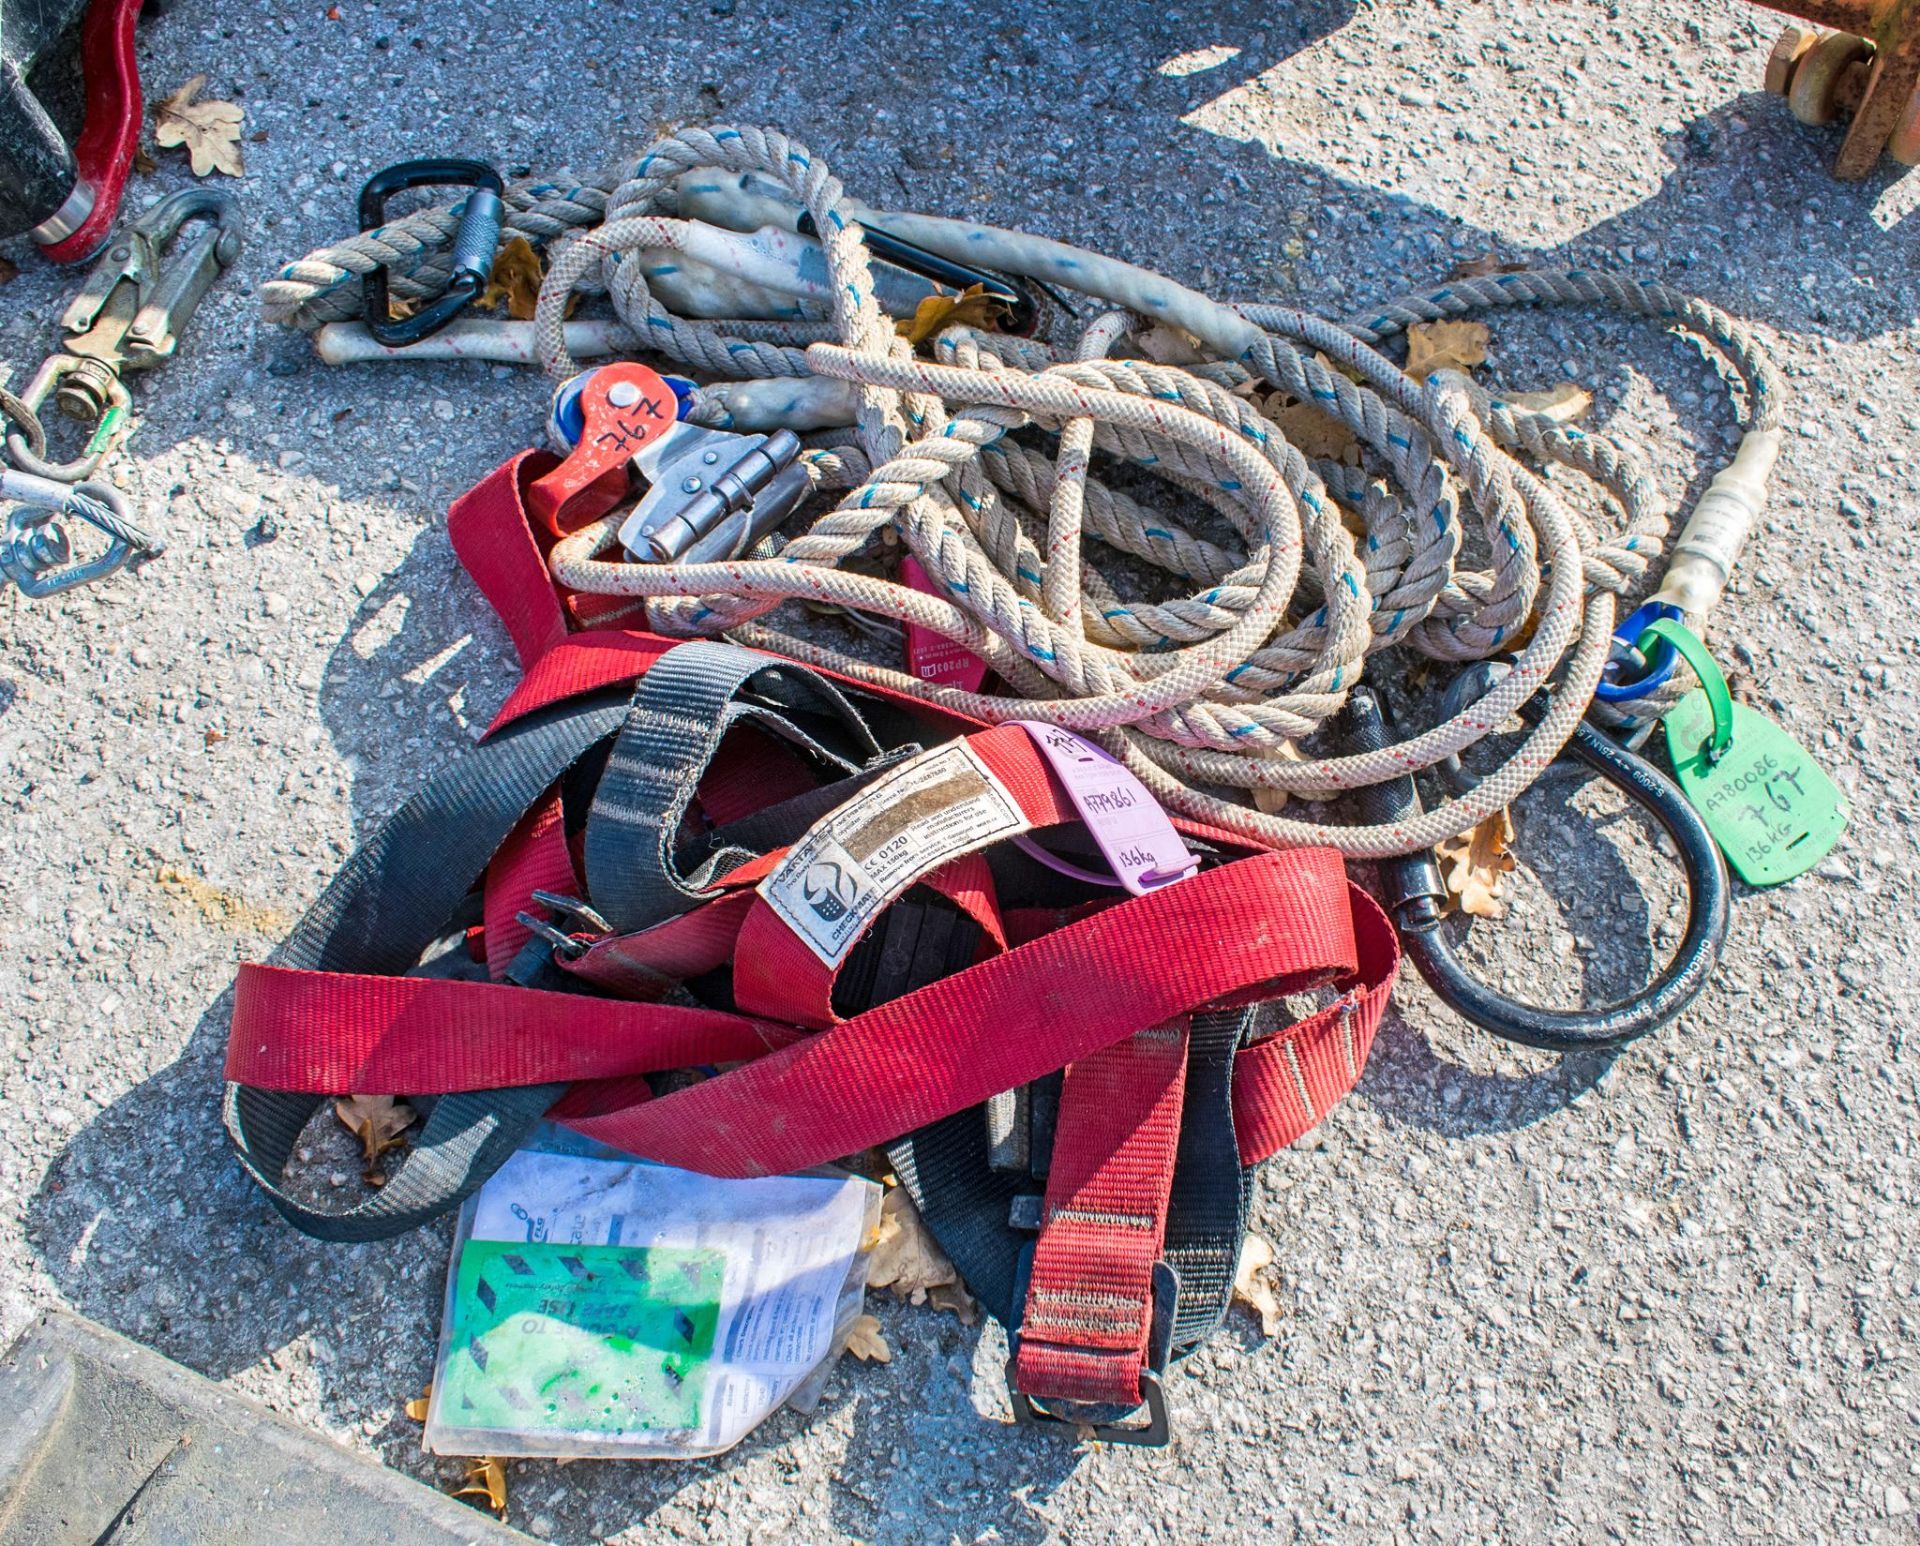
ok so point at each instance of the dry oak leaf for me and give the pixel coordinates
(515, 281)
(907, 1259)
(1311, 432)
(954, 1296)
(865, 1342)
(1446, 345)
(1473, 863)
(485, 1478)
(9, 271)
(972, 307)
(378, 1121)
(416, 1409)
(209, 130)
(1253, 1288)
(1562, 403)
(1271, 800)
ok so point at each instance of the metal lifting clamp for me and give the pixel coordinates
(712, 494)
(127, 316)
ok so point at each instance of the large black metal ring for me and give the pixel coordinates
(1414, 893)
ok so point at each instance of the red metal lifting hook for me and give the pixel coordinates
(104, 152)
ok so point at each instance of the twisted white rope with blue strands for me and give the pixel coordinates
(1210, 686)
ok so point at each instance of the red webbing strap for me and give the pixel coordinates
(1267, 923)
(778, 976)
(324, 1032)
(751, 770)
(489, 530)
(1273, 920)
(1284, 1085)
(1089, 1307)
(533, 858)
(506, 553)
(583, 663)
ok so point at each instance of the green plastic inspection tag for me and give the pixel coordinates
(1769, 805)
(596, 1339)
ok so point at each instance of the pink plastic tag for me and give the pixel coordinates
(931, 656)
(1133, 832)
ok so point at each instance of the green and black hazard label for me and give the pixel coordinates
(601, 1339)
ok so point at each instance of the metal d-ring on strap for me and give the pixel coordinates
(1413, 891)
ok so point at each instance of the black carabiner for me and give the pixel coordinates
(1414, 893)
(475, 243)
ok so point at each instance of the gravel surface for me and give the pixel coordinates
(1666, 1296)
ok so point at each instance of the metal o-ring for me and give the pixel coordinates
(21, 412)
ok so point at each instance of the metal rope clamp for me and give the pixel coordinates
(711, 495)
(127, 316)
(34, 550)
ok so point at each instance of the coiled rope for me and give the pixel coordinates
(980, 460)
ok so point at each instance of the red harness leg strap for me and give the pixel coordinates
(1284, 1085)
(1090, 1301)
(1268, 924)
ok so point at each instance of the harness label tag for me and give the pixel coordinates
(855, 860)
(1769, 805)
(931, 656)
(1134, 833)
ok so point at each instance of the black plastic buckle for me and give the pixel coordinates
(1156, 1431)
(475, 243)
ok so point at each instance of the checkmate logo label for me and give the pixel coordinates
(854, 861)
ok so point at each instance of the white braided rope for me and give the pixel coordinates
(981, 462)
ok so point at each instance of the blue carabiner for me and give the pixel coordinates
(1658, 669)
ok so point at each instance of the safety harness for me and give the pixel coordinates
(1075, 1083)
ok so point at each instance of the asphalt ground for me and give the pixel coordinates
(1664, 1296)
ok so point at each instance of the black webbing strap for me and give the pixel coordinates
(971, 1207)
(681, 711)
(1207, 1210)
(387, 904)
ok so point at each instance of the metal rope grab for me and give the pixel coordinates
(1214, 686)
